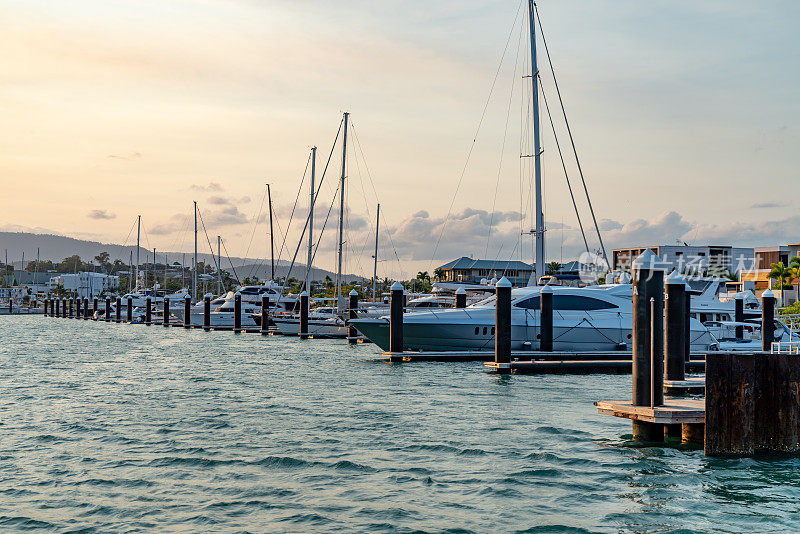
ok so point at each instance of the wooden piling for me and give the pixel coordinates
(648, 341)
(86, 311)
(148, 311)
(687, 321)
(206, 313)
(674, 327)
(352, 333)
(118, 317)
(738, 315)
(264, 315)
(546, 319)
(107, 316)
(767, 320)
(304, 305)
(187, 312)
(396, 306)
(129, 310)
(502, 322)
(57, 307)
(461, 297)
(237, 313)
(166, 311)
(94, 309)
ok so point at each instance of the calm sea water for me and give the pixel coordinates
(116, 428)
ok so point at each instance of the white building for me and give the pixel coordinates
(690, 259)
(86, 285)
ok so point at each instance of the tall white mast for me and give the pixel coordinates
(219, 265)
(341, 213)
(194, 282)
(537, 151)
(375, 264)
(138, 236)
(311, 220)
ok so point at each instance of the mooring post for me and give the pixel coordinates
(46, 301)
(118, 317)
(129, 310)
(461, 297)
(546, 319)
(94, 309)
(108, 310)
(206, 313)
(767, 320)
(264, 315)
(738, 315)
(396, 305)
(304, 304)
(675, 325)
(352, 334)
(648, 341)
(237, 312)
(148, 311)
(78, 312)
(502, 324)
(86, 313)
(166, 311)
(56, 307)
(187, 311)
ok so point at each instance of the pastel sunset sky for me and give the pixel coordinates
(685, 116)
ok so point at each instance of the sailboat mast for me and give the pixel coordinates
(537, 149)
(154, 269)
(311, 220)
(138, 237)
(375, 264)
(166, 265)
(341, 212)
(130, 272)
(219, 265)
(194, 281)
(271, 236)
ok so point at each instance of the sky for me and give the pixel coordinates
(684, 115)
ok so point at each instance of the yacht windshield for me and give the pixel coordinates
(487, 301)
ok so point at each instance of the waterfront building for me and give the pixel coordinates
(469, 271)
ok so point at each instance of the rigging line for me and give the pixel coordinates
(475, 138)
(314, 203)
(322, 231)
(218, 262)
(372, 183)
(227, 255)
(124, 243)
(364, 242)
(255, 225)
(503, 147)
(571, 139)
(564, 166)
(291, 216)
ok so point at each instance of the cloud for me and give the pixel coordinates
(229, 215)
(176, 222)
(101, 214)
(761, 205)
(223, 201)
(217, 200)
(212, 186)
(132, 156)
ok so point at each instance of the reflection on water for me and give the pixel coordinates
(111, 427)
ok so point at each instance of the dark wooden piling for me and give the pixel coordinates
(166, 311)
(674, 327)
(461, 297)
(94, 309)
(264, 315)
(304, 305)
(118, 317)
(352, 333)
(206, 313)
(738, 315)
(237, 313)
(502, 323)
(187, 312)
(687, 321)
(396, 306)
(107, 315)
(752, 404)
(86, 311)
(148, 311)
(648, 341)
(767, 320)
(57, 307)
(546, 319)
(129, 310)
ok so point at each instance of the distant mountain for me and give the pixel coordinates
(57, 247)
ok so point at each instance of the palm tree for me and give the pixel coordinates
(783, 273)
(794, 264)
(553, 267)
